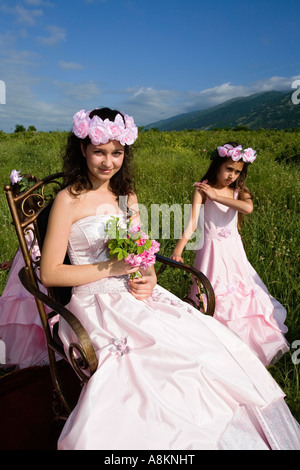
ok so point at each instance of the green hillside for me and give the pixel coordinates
(267, 110)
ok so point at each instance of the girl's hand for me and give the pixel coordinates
(120, 268)
(176, 257)
(208, 191)
(142, 287)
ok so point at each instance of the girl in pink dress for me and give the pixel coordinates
(243, 302)
(168, 377)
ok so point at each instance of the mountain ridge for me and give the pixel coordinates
(269, 110)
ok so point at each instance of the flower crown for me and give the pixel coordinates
(236, 153)
(100, 132)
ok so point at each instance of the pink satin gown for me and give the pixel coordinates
(169, 377)
(243, 302)
(20, 325)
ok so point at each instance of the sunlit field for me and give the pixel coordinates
(167, 164)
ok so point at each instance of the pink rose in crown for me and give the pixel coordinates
(116, 128)
(113, 131)
(80, 115)
(97, 131)
(129, 121)
(249, 155)
(222, 151)
(81, 124)
(82, 130)
(235, 153)
(128, 137)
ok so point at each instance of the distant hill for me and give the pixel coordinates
(268, 110)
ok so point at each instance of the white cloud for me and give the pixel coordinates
(37, 3)
(56, 35)
(69, 65)
(23, 15)
(78, 92)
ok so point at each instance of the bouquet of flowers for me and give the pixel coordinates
(127, 241)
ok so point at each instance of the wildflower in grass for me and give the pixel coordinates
(15, 176)
(24, 182)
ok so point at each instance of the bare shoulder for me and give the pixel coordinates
(132, 202)
(133, 207)
(64, 198)
(132, 198)
(65, 205)
(198, 196)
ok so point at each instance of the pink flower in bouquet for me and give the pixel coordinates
(142, 239)
(148, 259)
(135, 228)
(135, 247)
(133, 260)
(154, 247)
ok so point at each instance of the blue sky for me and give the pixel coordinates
(152, 59)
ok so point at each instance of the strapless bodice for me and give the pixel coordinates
(88, 245)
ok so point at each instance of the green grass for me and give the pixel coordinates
(167, 165)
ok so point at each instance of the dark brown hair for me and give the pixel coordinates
(75, 168)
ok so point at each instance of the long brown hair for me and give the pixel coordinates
(75, 168)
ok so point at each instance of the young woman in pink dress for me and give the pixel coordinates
(243, 302)
(168, 376)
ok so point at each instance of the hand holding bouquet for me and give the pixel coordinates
(127, 241)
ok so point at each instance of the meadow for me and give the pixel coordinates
(167, 164)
